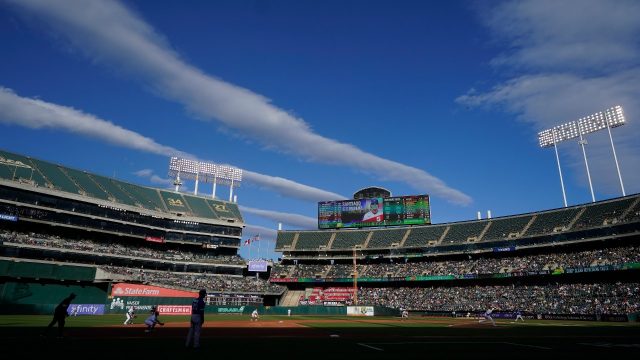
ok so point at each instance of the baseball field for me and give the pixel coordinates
(312, 337)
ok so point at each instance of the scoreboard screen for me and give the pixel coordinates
(257, 265)
(399, 210)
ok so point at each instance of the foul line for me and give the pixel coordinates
(453, 342)
(370, 347)
(527, 345)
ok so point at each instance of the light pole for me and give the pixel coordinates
(180, 169)
(610, 118)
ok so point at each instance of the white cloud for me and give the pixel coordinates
(266, 233)
(37, 114)
(144, 173)
(109, 32)
(299, 221)
(566, 64)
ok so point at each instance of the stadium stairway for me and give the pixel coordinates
(291, 297)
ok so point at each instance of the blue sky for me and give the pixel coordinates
(315, 100)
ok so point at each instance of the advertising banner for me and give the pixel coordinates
(86, 309)
(8, 217)
(174, 309)
(360, 310)
(126, 289)
(230, 309)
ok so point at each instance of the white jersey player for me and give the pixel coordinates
(487, 316)
(131, 314)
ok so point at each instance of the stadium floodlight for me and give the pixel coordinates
(204, 171)
(607, 119)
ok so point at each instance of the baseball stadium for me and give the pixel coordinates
(555, 281)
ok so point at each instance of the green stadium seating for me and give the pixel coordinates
(504, 228)
(175, 202)
(313, 240)
(113, 188)
(284, 239)
(7, 170)
(384, 238)
(87, 184)
(463, 232)
(424, 235)
(547, 222)
(348, 239)
(200, 207)
(55, 176)
(596, 214)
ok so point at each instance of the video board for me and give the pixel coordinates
(398, 210)
(257, 265)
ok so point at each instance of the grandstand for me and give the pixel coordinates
(577, 262)
(70, 229)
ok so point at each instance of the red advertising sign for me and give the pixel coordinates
(126, 289)
(154, 239)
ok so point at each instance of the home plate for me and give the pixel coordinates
(334, 335)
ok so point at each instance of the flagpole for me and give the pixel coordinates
(259, 247)
(249, 248)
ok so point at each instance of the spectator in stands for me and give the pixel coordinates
(60, 314)
(197, 320)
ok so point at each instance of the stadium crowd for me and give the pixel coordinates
(477, 265)
(195, 281)
(552, 298)
(116, 248)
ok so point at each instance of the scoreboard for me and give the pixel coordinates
(399, 210)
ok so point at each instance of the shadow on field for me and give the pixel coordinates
(378, 341)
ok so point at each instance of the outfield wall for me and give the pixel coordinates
(306, 310)
(35, 270)
(41, 298)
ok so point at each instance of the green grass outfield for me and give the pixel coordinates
(310, 337)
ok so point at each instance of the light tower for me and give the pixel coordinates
(180, 169)
(607, 119)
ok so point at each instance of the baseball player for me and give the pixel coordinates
(254, 315)
(152, 320)
(519, 315)
(197, 320)
(487, 316)
(60, 314)
(131, 314)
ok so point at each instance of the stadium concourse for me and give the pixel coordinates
(118, 245)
